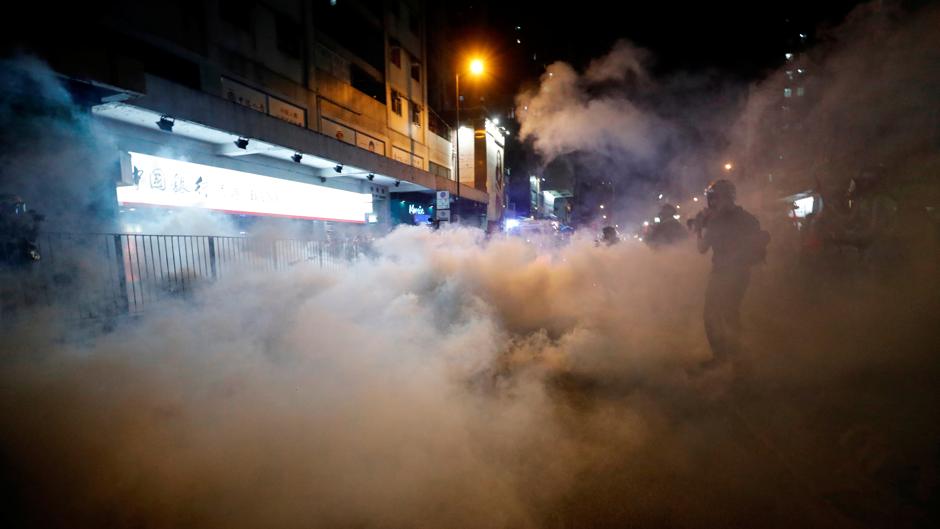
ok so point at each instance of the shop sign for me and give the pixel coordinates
(245, 96)
(340, 132)
(287, 112)
(174, 183)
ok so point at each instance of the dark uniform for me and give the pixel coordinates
(737, 244)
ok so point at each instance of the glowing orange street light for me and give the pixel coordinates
(476, 69)
(728, 166)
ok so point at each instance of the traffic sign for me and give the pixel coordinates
(443, 200)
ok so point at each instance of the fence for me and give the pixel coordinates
(114, 273)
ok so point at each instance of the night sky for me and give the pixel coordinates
(740, 41)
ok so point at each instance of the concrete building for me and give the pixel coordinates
(321, 94)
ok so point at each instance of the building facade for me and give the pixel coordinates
(327, 94)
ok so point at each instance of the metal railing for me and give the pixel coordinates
(112, 273)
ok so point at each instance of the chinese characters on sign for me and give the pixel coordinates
(174, 183)
(262, 102)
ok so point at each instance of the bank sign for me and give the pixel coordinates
(178, 184)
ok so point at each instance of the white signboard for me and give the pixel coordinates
(340, 132)
(443, 200)
(287, 112)
(173, 183)
(370, 144)
(243, 95)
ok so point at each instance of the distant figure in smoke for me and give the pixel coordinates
(609, 236)
(667, 231)
(737, 243)
(19, 229)
(871, 222)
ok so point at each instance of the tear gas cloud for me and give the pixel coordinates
(455, 381)
(618, 123)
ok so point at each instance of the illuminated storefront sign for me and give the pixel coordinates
(417, 208)
(174, 183)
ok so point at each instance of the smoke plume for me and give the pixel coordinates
(452, 380)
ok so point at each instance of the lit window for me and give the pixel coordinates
(416, 114)
(787, 92)
(396, 102)
(800, 91)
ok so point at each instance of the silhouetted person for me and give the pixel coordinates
(737, 244)
(19, 229)
(668, 230)
(609, 236)
(872, 221)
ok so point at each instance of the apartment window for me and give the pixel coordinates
(236, 13)
(416, 114)
(396, 102)
(415, 70)
(438, 170)
(787, 92)
(396, 55)
(800, 91)
(366, 41)
(288, 36)
(363, 81)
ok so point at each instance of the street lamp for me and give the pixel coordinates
(476, 69)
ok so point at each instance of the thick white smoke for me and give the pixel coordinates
(562, 115)
(409, 390)
(453, 381)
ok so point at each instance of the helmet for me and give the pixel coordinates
(722, 189)
(667, 211)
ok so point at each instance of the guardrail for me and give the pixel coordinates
(112, 273)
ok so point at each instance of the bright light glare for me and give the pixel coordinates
(476, 66)
(660, 196)
(233, 191)
(694, 199)
(657, 219)
(646, 223)
(602, 206)
(512, 223)
(676, 217)
(728, 166)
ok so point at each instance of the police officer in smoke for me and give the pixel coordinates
(737, 243)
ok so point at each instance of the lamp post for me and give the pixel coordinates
(476, 68)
